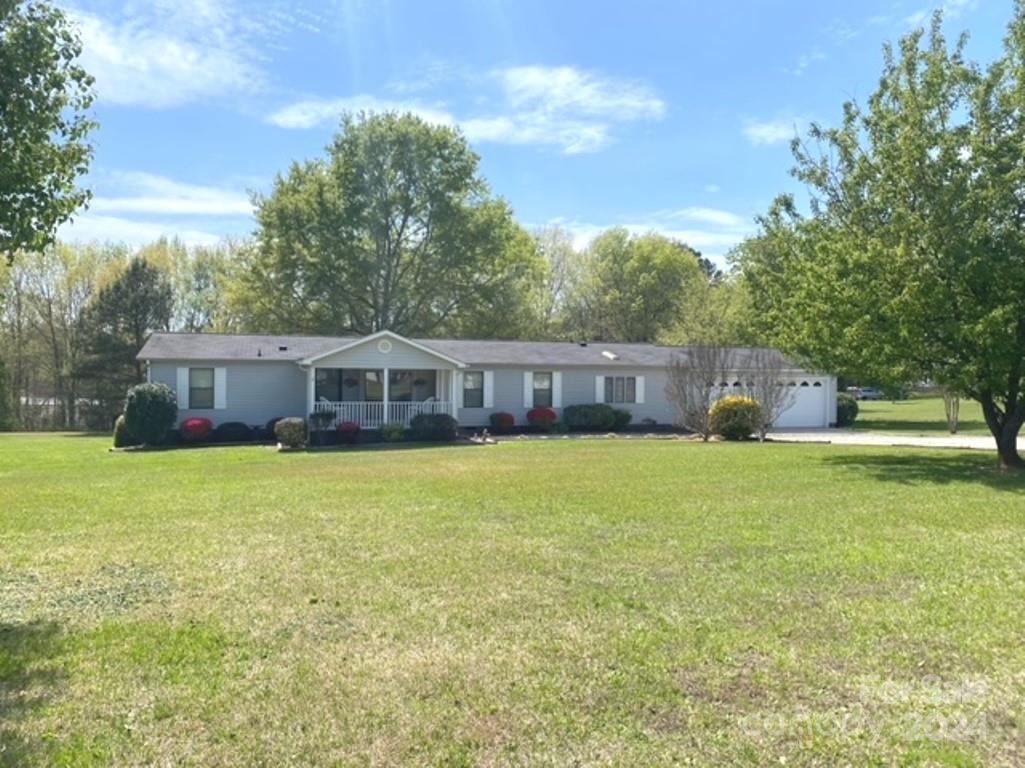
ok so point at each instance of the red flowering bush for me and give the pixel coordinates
(502, 422)
(541, 418)
(196, 429)
(348, 431)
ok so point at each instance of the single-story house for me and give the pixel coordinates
(384, 377)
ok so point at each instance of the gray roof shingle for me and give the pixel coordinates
(218, 346)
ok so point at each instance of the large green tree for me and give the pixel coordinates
(631, 288)
(394, 229)
(911, 264)
(44, 99)
(117, 322)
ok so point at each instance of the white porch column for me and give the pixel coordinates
(386, 417)
(311, 389)
(452, 392)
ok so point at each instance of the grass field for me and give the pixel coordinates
(918, 416)
(627, 602)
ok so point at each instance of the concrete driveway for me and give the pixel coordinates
(849, 437)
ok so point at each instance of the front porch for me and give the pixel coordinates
(373, 397)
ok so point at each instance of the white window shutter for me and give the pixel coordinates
(528, 389)
(599, 389)
(458, 388)
(181, 389)
(557, 389)
(489, 389)
(639, 389)
(220, 388)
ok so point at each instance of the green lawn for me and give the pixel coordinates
(626, 602)
(918, 416)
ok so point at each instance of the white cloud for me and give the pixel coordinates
(88, 227)
(724, 229)
(951, 10)
(149, 193)
(168, 54)
(805, 61)
(764, 132)
(563, 107)
(568, 90)
(572, 136)
(714, 216)
(310, 113)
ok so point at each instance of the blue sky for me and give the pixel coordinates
(661, 116)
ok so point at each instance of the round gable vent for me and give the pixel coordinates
(384, 346)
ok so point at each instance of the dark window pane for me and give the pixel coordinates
(619, 389)
(609, 384)
(473, 389)
(201, 388)
(631, 390)
(542, 398)
(373, 386)
(328, 384)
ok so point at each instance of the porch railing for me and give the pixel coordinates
(372, 415)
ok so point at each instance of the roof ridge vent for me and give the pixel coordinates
(610, 355)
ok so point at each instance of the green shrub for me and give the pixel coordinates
(291, 432)
(150, 412)
(559, 428)
(846, 409)
(122, 437)
(597, 416)
(735, 417)
(394, 432)
(622, 418)
(233, 432)
(433, 427)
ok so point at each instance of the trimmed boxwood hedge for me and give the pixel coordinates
(846, 409)
(233, 432)
(150, 411)
(433, 427)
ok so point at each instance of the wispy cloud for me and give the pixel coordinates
(564, 107)
(951, 9)
(153, 194)
(711, 231)
(775, 131)
(805, 61)
(310, 113)
(167, 55)
(91, 227)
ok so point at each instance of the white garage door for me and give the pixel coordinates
(809, 408)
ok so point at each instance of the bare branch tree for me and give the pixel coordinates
(694, 382)
(764, 382)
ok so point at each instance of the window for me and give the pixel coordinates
(201, 388)
(329, 384)
(373, 386)
(405, 386)
(542, 389)
(473, 389)
(620, 389)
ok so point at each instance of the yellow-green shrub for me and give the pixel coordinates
(735, 417)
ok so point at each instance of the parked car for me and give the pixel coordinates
(869, 393)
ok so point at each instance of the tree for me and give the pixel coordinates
(394, 229)
(910, 264)
(694, 381)
(763, 375)
(44, 98)
(631, 288)
(117, 323)
(6, 405)
(561, 271)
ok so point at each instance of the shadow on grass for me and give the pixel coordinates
(29, 677)
(939, 468)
